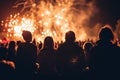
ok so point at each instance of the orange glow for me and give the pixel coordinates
(49, 18)
(83, 36)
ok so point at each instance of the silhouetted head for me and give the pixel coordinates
(3, 53)
(27, 36)
(87, 46)
(48, 42)
(40, 45)
(12, 44)
(70, 36)
(18, 42)
(106, 34)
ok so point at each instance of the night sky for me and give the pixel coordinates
(109, 10)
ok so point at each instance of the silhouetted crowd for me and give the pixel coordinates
(68, 60)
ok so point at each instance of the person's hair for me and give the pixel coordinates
(48, 42)
(106, 34)
(87, 46)
(70, 36)
(11, 44)
(27, 36)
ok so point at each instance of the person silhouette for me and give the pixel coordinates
(87, 48)
(70, 58)
(104, 57)
(7, 68)
(11, 51)
(26, 58)
(46, 59)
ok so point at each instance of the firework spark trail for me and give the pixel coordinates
(54, 17)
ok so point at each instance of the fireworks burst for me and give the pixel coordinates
(50, 18)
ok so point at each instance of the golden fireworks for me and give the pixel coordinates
(48, 18)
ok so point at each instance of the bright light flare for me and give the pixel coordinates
(17, 24)
(49, 18)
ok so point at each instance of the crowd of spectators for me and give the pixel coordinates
(68, 60)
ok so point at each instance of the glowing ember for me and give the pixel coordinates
(26, 24)
(49, 18)
(17, 24)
